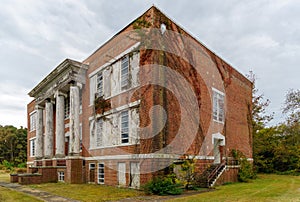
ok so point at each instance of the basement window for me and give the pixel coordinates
(218, 106)
(101, 173)
(61, 176)
(32, 147)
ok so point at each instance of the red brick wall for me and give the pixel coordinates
(30, 134)
(229, 175)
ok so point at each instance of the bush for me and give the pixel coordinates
(246, 171)
(163, 186)
(8, 165)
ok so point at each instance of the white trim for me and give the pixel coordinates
(34, 111)
(32, 150)
(29, 162)
(94, 166)
(110, 146)
(216, 90)
(99, 173)
(144, 156)
(114, 59)
(218, 136)
(116, 110)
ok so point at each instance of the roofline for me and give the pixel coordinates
(59, 69)
(115, 35)
(181, 27)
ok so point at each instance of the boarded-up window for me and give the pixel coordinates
(99, 133)
(93, 88)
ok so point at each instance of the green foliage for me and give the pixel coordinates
(246, 171)
(163, 186)
(187, 172)
(276, 149)
(7, 165)
(13, 145)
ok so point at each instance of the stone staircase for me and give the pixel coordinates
(209, 177)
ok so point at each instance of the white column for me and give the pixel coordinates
(60, 126)
(74, 147)
(48, 148)
(39, 133)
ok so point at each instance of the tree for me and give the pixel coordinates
(261, 134)
(13, 145)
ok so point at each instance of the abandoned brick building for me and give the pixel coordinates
(149, 97)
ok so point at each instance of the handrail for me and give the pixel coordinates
(216, 170)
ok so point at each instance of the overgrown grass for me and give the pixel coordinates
(265, 188)
(7, 195)
(4, 176)
(88, 192)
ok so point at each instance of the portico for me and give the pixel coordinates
(63, 82)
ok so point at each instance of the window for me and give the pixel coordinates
(218, 106)
(99, 84)
(124, 127)
(67, 107)
(80, 139)
(61, 176)
(124, 73)
(99, 132)
(101, 173)
(32, 147)
(33, 121)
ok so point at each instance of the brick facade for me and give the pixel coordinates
(201, 69)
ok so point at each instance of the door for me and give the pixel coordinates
(217, 154)
(122, 174)
(134, 175)
(92, 168)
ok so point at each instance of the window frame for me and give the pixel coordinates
(32, 119)
(99, 132)
(67, 108)
(32, 147)
(124, 76)
(125, 130)
(101, 175)
(61, 176)
(218, 111)
(99, 86)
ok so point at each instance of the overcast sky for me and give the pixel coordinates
(36, 35)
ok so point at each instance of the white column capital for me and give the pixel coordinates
(59, 93)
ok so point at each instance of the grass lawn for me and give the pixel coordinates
(8, 195)
(4, 176)
(87, 192)
(265, 188)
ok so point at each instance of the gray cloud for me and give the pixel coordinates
(35, 36)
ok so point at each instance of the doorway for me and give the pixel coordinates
(92, 168)
(134, 175)
(218, 141)
(122, 174)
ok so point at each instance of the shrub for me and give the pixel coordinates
(8, 165)
(246, 170)
(163, 186)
